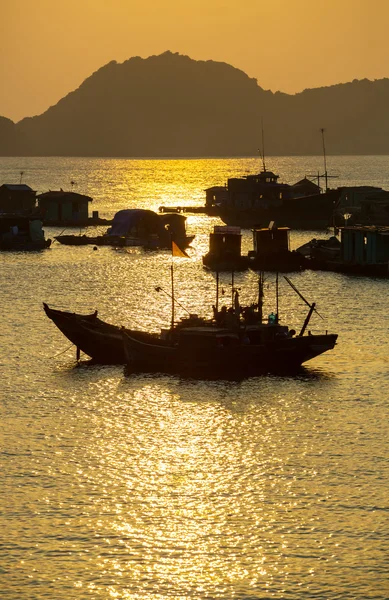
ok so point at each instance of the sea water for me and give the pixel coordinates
(156, 487)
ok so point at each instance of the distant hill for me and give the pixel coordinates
(172, 106)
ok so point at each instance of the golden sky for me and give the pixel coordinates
(48, 47)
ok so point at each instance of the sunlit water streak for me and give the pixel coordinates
(118, 486)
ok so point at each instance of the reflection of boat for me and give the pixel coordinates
(19, 232)
(137, 227)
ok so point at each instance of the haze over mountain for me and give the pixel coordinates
(172, 106)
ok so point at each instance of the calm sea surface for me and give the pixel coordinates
(156, 487)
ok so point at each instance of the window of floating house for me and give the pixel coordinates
(280, 195)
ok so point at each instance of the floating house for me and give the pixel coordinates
(64, 208)
(365, 245)
(17, 199)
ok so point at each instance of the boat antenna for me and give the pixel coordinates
(325, 174)
(21, 176)
(262, 154)
(325, 158)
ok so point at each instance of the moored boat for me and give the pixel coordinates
(235, 341)
(22, 232)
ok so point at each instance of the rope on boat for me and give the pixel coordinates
(55, 240)
(63, 351)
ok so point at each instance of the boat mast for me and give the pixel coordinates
(277, 297)
(217, 291)
(172, 277)
(260, 297)
(262, 152)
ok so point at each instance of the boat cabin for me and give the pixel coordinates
(64, 208)
(305, 187)
(365, 245)
(270, 240)
(200, 339)
(17, 199)
(142, 224)
(256, 191)
(216, 195)
(225, 242)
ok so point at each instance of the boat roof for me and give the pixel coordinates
(61, 195)
(17, 187)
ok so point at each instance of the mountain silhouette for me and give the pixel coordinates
(173, 106)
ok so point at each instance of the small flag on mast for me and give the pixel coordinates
(177, 251)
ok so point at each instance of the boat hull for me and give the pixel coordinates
(240, 359)
(101, 341)
(230, 353)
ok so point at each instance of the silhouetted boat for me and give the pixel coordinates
(21, 232)
(256, 199)
(235, 341)
(325, 249)
(137, 227)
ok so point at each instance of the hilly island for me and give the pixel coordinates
(173, 106)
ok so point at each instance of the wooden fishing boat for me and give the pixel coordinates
(236, 341)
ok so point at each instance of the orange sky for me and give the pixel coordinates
(48, 47)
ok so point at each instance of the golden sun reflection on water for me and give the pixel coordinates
(189, 488)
